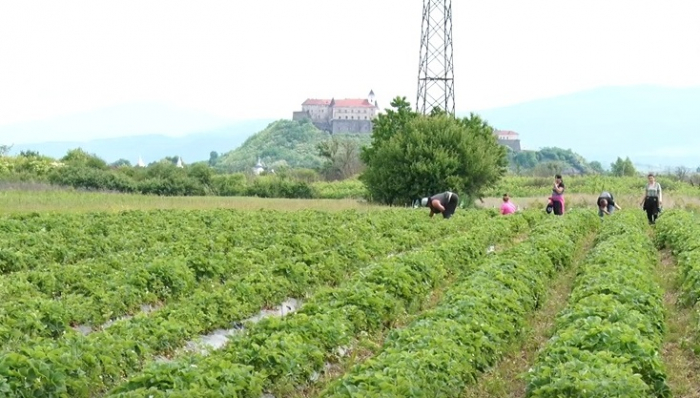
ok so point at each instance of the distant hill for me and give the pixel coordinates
(152, 131)
(655, 126)
(282, 143)
(152, 147)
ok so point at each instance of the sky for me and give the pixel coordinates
(261, 59)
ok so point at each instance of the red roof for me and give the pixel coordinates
(345, 103)
(353, 103)
(506, 132)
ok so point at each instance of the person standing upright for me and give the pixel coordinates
(558, 195)
(653, 197)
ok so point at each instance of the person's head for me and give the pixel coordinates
(424, 202)
(651, 178)
(506, 197)
(557, 178)
(603, 203)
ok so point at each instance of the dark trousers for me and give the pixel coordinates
(651, 206)
(451, 206)
(557, 208)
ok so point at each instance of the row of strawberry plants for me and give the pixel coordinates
(449, 346)
(284, 353)
(47, 307)
(607, 339)
(81, 366)
(679, 231)
(29, 242)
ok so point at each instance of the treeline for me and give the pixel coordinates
(84, 171)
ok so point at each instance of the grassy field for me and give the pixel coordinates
(74, 201)
(13, 201)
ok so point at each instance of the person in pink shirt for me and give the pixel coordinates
(507, 207)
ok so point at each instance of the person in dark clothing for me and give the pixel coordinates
(653, 197)
(558, 195)
(606, 204)
(445, 203)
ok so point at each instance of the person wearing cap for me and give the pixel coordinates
(445, 203)
(606, 204)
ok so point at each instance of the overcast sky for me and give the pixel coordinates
(251, 59)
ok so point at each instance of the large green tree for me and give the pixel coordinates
(414, 155)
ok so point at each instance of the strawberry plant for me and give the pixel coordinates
(607, 339)
(286, 352)
(448, 346)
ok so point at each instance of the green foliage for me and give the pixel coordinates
(284, 143)
(446, 348)
(679, 231)
(610, 334)
(623, 168)
(209, 269)
(549, 161)
(342, 156)
(414, 156)
(287, 352)
(589, 184)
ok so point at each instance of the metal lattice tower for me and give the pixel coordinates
(435, 69)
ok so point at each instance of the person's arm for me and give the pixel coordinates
(617, 206)
(660, 194)
(432, 212)
(559, 189)
(437, 206)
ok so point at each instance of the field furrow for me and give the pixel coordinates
(283, 354)
(608, 339)
(449, 346)
(679, 243)
(84, 365)
(47, 304)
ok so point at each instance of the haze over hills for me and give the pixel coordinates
(654, 126)
(151, 131)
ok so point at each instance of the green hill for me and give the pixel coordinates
(283, 143)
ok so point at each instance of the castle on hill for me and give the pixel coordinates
(349, 115)
(511, 139)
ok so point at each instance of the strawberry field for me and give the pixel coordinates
(381, 303)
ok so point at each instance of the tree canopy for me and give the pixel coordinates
(414, 155)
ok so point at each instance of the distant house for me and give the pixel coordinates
(352, 115)
(511, 139)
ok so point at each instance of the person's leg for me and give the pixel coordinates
(611, 209)
(451, 207)
(655, 212)
(557, 208)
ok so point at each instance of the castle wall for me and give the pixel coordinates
(351, 126)
(300, 115)
(512, 144)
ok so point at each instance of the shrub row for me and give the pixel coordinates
(284, 353)
(608, 337)
(679, 231)
(448, 346)
(47, 302)
(80, 366)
